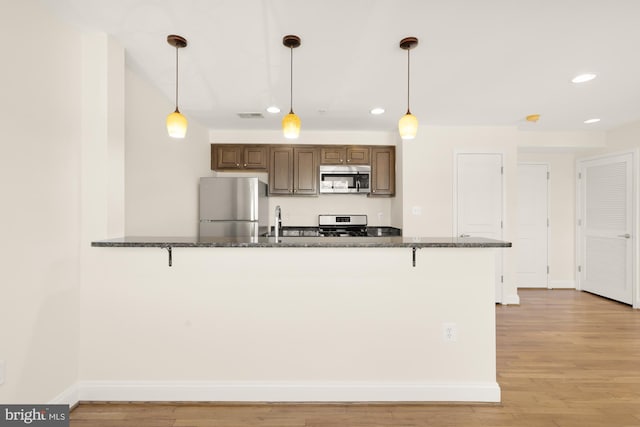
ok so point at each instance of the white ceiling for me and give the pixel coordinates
(478, 63)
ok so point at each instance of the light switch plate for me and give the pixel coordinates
(416, 210)
(2, 366)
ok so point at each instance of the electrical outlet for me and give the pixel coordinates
(416, 210)
(2, 365)
(449, 332)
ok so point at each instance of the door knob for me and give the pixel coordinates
(626, 236)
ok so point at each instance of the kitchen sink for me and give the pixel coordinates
(296, 232)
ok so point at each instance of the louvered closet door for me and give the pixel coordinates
(606, 208)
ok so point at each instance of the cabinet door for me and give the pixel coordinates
(226, 157)
(255, 157)
(305, 169)
(383, 171)
(358, 155)
(281, 170)
(333, 155)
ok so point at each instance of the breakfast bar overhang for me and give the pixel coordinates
(299, 319)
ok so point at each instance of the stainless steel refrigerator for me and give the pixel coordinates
(233, 207)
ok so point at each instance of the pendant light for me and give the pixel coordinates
(291, 122)
(408, 124)
(176, 122)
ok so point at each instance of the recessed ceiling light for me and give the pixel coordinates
(581, 78)
(588, 122)
(273, 109)
(377, 111)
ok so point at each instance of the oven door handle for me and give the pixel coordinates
(358, 185)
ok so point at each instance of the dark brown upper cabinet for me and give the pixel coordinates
(293, 171)
(341, 155)
(383, 171)
(239, 157)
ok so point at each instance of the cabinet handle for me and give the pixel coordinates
(245, 165)
(238, 165)
(348, 160)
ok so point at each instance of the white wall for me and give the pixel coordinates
(624, 137)
(161, 172)
(40, 117)
(562, 202)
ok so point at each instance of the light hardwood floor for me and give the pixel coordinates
(565, 359)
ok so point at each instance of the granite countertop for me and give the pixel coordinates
(303, 242)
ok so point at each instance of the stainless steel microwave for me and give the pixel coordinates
(345, 179)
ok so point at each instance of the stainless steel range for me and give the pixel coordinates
(342, 225)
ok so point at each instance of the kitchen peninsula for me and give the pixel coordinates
(298, 319)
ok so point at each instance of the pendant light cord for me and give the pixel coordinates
(291, 82)
(177, 78)
(408, 77)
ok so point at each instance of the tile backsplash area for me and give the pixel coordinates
(304, 211)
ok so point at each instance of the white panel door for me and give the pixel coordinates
(606, 227)
(479, 201)
(532, 246)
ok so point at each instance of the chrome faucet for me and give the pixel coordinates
(278, 222)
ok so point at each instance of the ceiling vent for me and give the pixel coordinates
(250, 115)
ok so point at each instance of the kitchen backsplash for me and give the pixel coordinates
(304, 211)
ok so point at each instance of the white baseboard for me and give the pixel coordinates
(68, 397)
(562, 284)
(287, 392)
(513, 299)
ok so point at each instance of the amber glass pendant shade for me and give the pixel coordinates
(291, 126)
(408, 126)
(176, 125)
